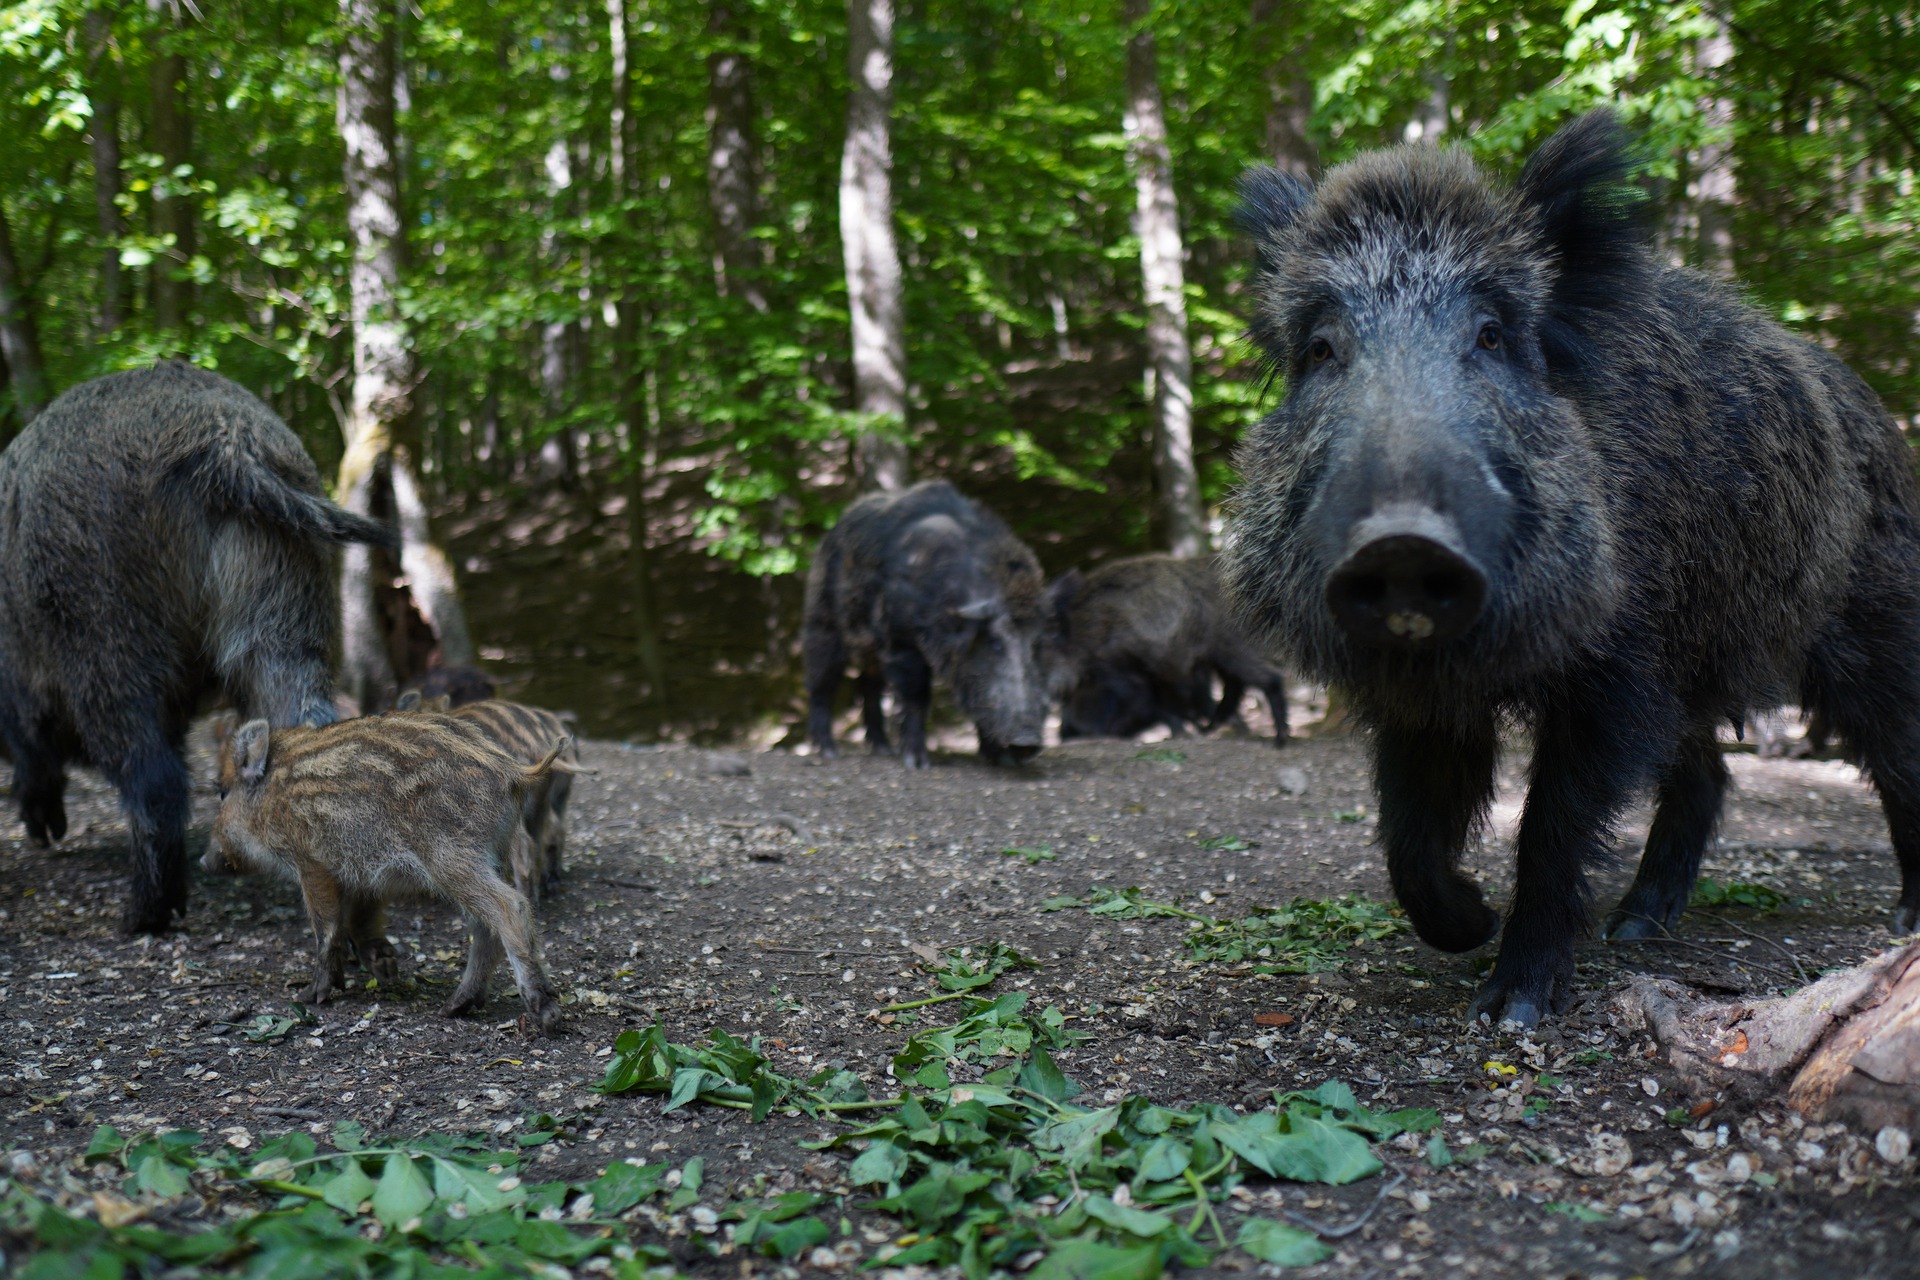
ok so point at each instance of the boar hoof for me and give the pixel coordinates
(380, 960)
(546, 1020)
(317, 992)
(1523, 1002)
(37, 837)
(138, 918)
(1906, 919)
(463, 1003)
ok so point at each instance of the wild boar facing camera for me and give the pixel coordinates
(162, 537)
(1525, 468)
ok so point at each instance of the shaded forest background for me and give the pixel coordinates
(620, 284)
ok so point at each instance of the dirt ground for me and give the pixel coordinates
(789, 897)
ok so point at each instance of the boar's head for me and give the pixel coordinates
(1425, 502)
(242, 772)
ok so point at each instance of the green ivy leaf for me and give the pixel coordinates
(1280, 1244)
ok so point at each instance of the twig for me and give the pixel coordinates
(1783, 950)
(921, 1004)
(1347, 1229)
(1677, 941)
(288, 1113)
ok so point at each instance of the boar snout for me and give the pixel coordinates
(1009, 753)
(1407, 583)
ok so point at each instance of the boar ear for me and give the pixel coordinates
(1061, 593)
(1592, 215)
(442, 703)
(250, 750)
(1270, 201)
(408, 701)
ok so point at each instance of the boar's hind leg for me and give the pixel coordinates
(483, 953)
(40, 785)
(826, 660)
(1434, 789)
(873, 712)
(365, 925)
(154, 792)
(326, 906)
(1587, 760)
(1686, 811)
(506, 917)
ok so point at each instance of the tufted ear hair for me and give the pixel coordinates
(1591, 213)
(249, 745)
(1270, 202)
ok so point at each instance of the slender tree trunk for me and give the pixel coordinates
(872, 258)
(559, 461)
(1712, 189)
(1163, 276)
(622, 166)
(733, 168)
(376, 472)
(103, 136)
(19, 332)
(1281, 28)
(169, 134)
(1429, 123)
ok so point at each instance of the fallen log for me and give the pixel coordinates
(1845, 1048)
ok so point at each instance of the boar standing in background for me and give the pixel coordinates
(1144, 638)
(162, 537)
(526, 734)
(366, 811)
(1524, 468)
(920, 584)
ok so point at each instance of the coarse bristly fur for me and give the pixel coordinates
(1683, 511)
(924, 584)
(162, 537)
(526, 734)
(363, 812)
(1141, 644)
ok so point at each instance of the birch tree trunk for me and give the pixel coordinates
(169, 135)
(376, 471)
(733, 168)
(1280, 26)
(1712, 190)
(103, 138)
(559, 459)
(1163, 279)
(622, 163)
(872, 258)
(19, 332)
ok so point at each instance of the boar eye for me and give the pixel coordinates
(1319, 350)
(1489, 337)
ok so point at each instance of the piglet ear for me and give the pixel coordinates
(408, 701)
(249, 744)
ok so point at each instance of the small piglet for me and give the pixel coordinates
(366, 811)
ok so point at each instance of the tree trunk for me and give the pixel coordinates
(559, 461)
(169, 135)
(733, 168)
(103, 136)
(1163, 277)
(376, 476)
(622, 159)
(872, 258)
(1712, 190)
(19, 332)
(1282, 30)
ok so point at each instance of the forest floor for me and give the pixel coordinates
(793, 898)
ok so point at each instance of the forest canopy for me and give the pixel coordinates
(583, 310)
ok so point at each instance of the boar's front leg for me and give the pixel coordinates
(825, 651)
(873, 711)
(912, 682)
(1434, 790)
(324, 911)
(1587, 759)
(483, 953)
(365, 924)
(40, 785)
(1684, 816)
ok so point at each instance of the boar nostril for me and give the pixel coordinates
(1404, 590)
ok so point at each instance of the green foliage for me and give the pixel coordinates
(1736, 893)
(990, 1029)
(1031, 853)
(1307, 935)
(723, 1072)
(435, 1205)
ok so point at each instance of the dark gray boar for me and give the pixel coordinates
(921, 584)
(1144, 639)
(363, 812)
(1526, 469)
(162, 537)
(459, 685)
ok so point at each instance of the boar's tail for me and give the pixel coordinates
(240, 483)
(553, 763)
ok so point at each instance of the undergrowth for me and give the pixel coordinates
(987, 1160)
(1306, 935)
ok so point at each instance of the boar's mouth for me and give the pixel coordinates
(1007, 754)
(1406, 584)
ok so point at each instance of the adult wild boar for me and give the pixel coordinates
(925, 583)
(1143, 640)
(162, 536)
(1524, 468)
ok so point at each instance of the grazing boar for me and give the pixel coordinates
(526, 734)
(162, 537)
(1526, 469)
(1142, 642)
(365, 811)
(925, 584)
